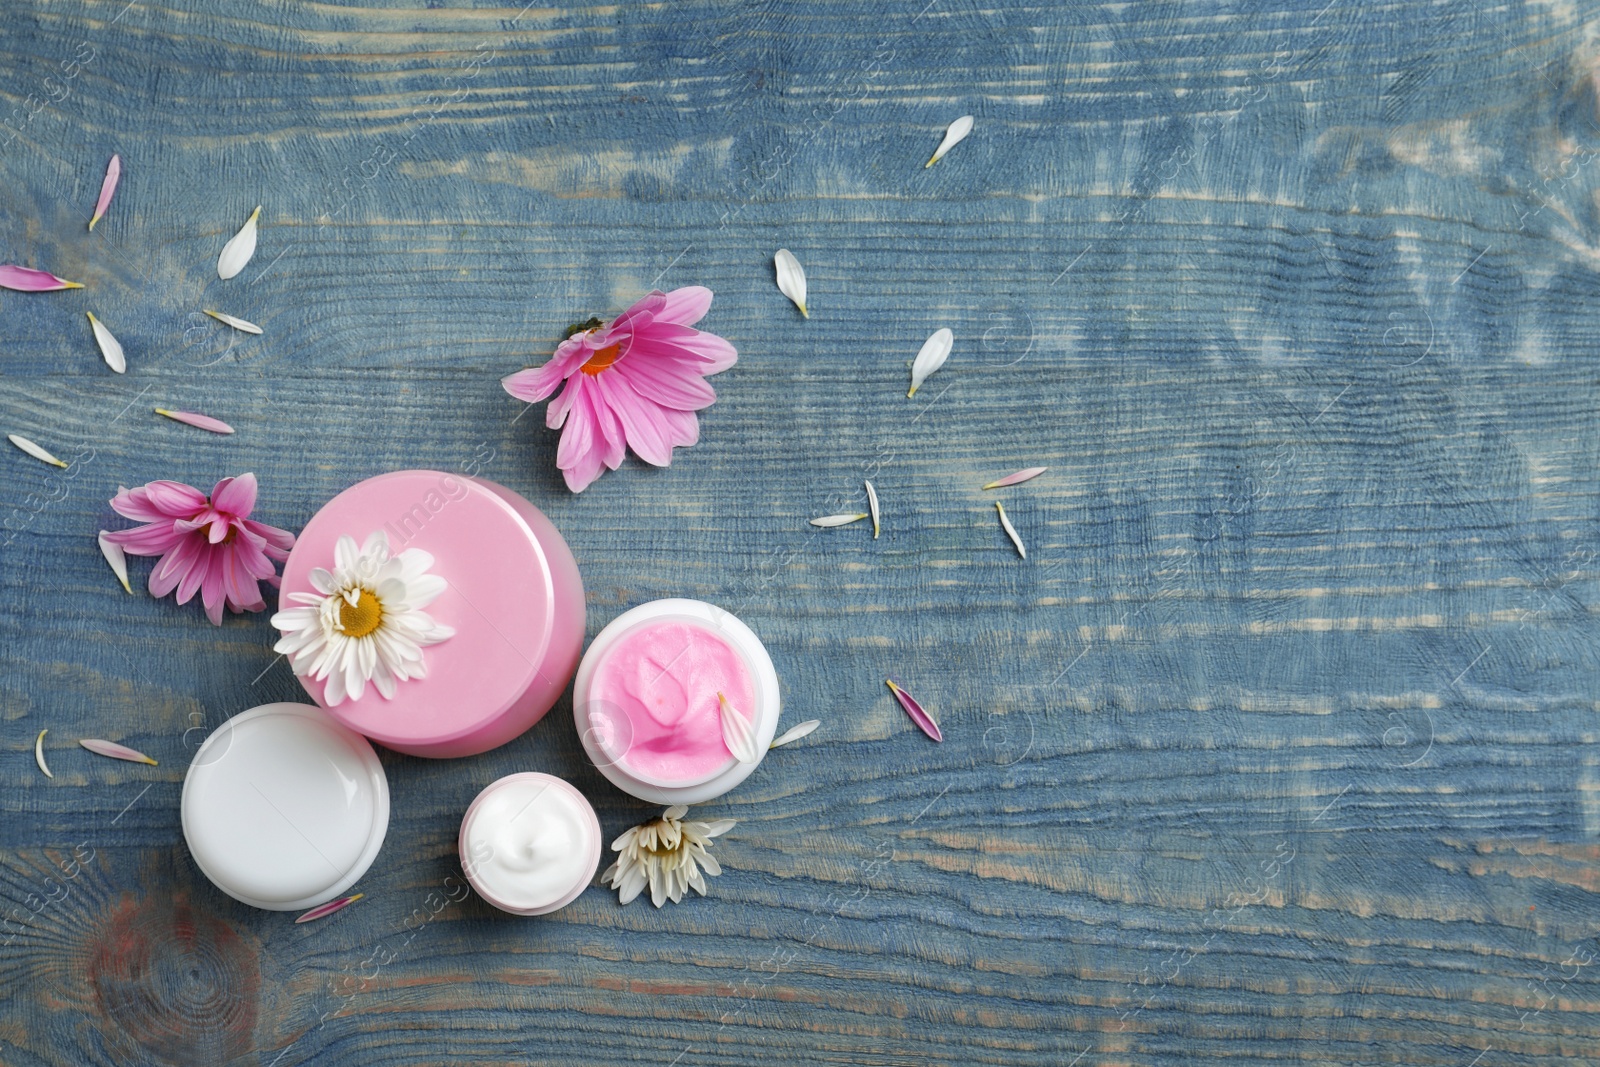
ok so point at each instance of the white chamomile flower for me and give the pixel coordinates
(365, 621)
(667, 855)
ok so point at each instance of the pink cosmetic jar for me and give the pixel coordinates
(530, 844)
(513, 597)
(646, 700)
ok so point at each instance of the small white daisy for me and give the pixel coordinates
(365, 621)
(666, 854)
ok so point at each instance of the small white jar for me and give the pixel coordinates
(530, 843)
(283, 808)
(649, 718)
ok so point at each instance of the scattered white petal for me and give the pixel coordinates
(110, 347)
(828, 521)
(935, 350)
(791, 279)
(795, 733)
(736, 733)
(237, 324)
(1011, 531)
(34, 450)
(38, 754)
(117, 558)
(953, 136)
(872, 505)
(240, 247)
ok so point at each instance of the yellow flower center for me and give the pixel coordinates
(602, 359)
(362, 617)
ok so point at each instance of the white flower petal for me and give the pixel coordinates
(117, 558)
(935, 350)
(228, 320)
(953, 136)
(791, 279)
(1011, 531)
(240, 247)
(737, 734)
(872, 506)
(795, 733)
(829, 521)
(34, 450)
(110, 347)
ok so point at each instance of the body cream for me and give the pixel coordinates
(530, 844)
(652, 693)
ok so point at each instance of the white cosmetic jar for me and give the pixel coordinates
(607, 731)
(284, 808)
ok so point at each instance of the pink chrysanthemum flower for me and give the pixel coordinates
(636, 382)
(206, 545)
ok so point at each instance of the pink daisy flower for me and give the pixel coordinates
(636, 382)
(210, 545)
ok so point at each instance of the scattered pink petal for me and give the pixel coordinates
(324, 910)
(194, 418)
(28, 280)
(115, 751)
(913, 709)
(107, 187)
(1018, 478)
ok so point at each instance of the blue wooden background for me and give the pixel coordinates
(1276, 747)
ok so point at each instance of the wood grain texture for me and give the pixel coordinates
(1276, 747)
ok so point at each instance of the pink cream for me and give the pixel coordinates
(663, 679)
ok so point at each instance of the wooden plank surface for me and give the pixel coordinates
(1276, 747)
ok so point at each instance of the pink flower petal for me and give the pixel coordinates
(235, 496)
(1018, 478)
(134, 504)
(913, 709)
(115, 751)
(107, 187)
(714, 354)
(153, 540)
(578, 438)
(662, 382)
(171, 567)
(27, 280)
(175, 499)
(324, 910)
(534, 383)
(686, 306)
(640, 419)
(194, 418)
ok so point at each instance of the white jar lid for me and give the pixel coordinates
(283, 808)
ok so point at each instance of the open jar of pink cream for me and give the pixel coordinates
(530, 844)
(651, 694)
(437, 614)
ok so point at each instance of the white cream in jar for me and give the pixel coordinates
(530, 844)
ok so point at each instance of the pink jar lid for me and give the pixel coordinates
(513, 596)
